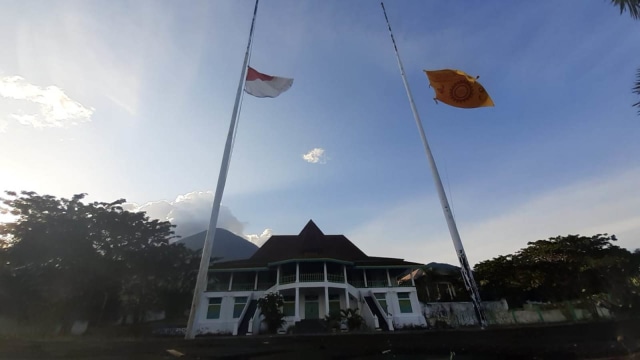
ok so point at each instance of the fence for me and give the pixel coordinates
(457, 314)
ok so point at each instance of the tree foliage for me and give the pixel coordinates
(636, 89)
(562, 268)
(64, 259)
(633, 7)
(353, 318)
(271, 308)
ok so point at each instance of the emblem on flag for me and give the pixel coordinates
(457, 88)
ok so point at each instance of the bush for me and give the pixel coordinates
(353, 318)
(270, 306)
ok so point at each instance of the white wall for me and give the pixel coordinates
(226, 322)
(400, 320)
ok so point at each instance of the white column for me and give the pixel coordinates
(297, 272)
(344, 270)
(297, 310)
(346, 293)
(230, 281)
(255, 282)
(326, 300)
(388, 278)
(413, 282)
(278, 275)
(325, 271)
(364, 272)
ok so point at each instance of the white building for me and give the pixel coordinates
(317, 274)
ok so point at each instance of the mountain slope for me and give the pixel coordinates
(227, 245)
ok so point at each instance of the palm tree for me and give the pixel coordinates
(633, 6)
(636, 89)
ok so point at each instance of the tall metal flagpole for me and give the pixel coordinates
(467, 275)
(201, 281)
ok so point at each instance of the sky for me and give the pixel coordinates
(133, 99)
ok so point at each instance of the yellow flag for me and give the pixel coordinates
(456, 88)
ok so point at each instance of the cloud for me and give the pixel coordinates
(191, 212)
(260, 239)
(53, 108)
(315, 156)
(418, 230)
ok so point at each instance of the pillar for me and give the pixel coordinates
(325, 271)
(297, 272)
(278, 275)
(255, 282)
(297, 310)
(230, 281)
(326, 298)
(388, 278)
(413, 282)
(364, 272)
(346, 294)
(344, 271)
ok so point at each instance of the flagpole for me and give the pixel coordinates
(467, 274)
(201, 282)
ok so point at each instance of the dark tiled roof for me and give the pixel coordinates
(311, 243)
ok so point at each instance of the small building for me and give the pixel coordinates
(316, 274)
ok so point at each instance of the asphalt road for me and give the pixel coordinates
(603, 340)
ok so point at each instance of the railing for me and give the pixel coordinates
(401, 284)
(287, 279)
(241, 286)
(218, 287)
(377, 283)
(311, 277)
(357, 283)
(264, 285)
(336, 278)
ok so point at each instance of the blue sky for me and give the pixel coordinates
(133, 100)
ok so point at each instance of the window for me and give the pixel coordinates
(289, 306)
(405, 303)
(238, 306)
(382, 300)
(213, 311)
(334, 303)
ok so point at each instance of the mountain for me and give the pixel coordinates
(227, 245)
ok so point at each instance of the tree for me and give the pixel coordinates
(633, 6)
(271, 308)
(636, 89)
(562, 268)
(64, 260)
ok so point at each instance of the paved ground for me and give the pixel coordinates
(604, 340)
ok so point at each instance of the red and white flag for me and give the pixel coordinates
(263, 85)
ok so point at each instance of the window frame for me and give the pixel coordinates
(214, 303)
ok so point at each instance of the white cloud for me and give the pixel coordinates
(191, 213)
(418, 232)
(315, 156)
(54, 108)
(260, 239)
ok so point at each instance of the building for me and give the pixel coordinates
(317, 274)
